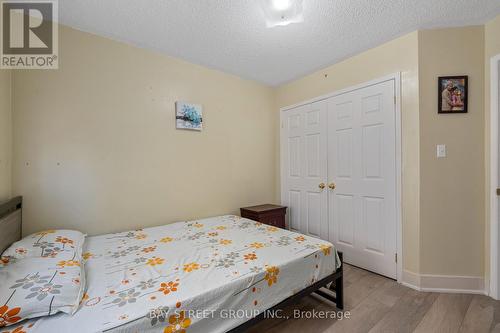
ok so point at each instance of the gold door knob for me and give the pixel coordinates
(332, 186)
(322, 185)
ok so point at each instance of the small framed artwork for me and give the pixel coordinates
(453, 93)
(188, 116)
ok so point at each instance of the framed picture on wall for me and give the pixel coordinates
(188, 116)
(453, 91)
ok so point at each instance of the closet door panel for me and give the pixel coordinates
(362, 165)
(304, 147)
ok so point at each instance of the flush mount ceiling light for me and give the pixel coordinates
(282, 12)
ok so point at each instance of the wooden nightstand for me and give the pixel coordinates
(268, 214)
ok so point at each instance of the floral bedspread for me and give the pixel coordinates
(208, 275)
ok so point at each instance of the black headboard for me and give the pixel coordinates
(10, 222)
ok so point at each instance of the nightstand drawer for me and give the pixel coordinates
(272, 215)
(274, 220)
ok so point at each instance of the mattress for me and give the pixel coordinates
(208, 275)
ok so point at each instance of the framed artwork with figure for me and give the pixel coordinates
(453, 92)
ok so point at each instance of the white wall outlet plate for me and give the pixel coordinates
(441, 151)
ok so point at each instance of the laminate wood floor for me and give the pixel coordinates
(378, 304)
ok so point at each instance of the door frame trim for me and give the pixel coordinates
(494, 283)
(397, 86)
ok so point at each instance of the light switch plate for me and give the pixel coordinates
(441, 151)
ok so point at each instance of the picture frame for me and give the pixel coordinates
(453, 94)
(188, 116)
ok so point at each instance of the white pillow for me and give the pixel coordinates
(61, 244)
(39, 286)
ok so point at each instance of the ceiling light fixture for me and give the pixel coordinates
(282, 12)
(281, 4)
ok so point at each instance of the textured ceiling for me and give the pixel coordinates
(231, 35)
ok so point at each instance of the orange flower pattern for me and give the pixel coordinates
(256, 245)
(64, 240)
(326, 249)
(250, 256)
(85, 297)
(167, 287)
(9, 317)
(22, 251)
(191, 267)
(149, 249)
(225, 241)
(4, 261)
(155, 261)
(177, 323)
(271, 275)
(69, 263)
(45, 232)
(87, 255)
(166, 240)
(300, 238)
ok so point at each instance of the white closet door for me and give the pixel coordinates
(362, 166)
(304, 158)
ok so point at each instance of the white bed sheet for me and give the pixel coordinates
(189, 276)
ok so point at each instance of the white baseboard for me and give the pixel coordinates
(411, 279)
(444, 283)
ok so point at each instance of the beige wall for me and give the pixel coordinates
(492, 48)
(96, 146)
(399, 55)
(5, 134)
(452, 188)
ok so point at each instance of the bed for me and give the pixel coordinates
(220, 274)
